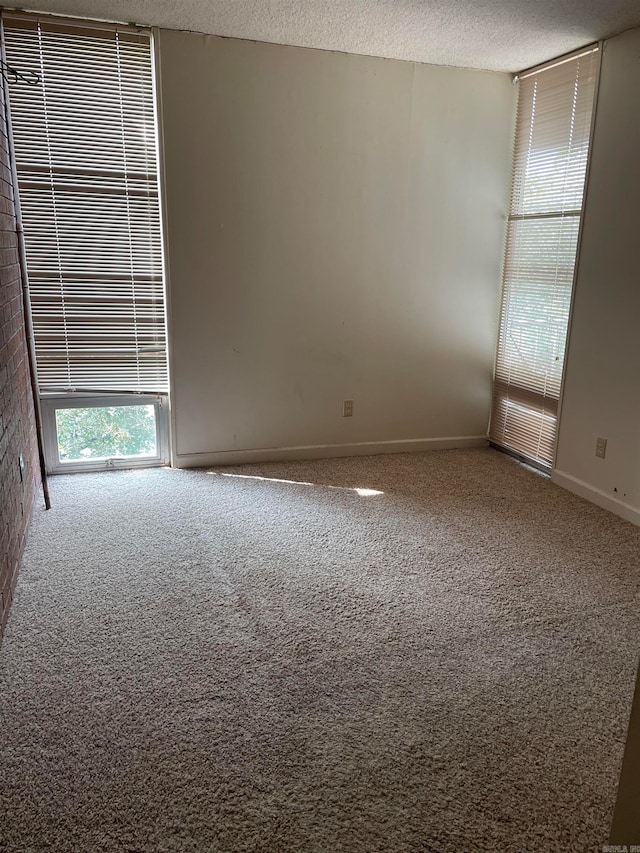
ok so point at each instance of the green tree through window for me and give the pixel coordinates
(99, 433)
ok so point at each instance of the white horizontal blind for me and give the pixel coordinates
(550, 159)
(85, 142)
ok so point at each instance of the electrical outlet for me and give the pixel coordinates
(601, 447)
(347, 409)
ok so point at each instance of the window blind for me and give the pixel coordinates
(550, 159)
(85, 143)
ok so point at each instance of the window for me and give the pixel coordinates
(85, 146)
(84, 433)
(553, 128)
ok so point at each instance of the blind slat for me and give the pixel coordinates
(87, 174)
(550, 159)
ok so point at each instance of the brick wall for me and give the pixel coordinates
(17, 424)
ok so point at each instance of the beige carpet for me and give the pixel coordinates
(212, 662)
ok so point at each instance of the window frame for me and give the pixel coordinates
(50, 403)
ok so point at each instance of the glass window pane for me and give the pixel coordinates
(106, 432)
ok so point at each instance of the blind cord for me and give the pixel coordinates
(12, 75)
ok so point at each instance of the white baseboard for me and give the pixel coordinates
(324, 451)
(596, 496)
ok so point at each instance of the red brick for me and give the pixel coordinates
(17, 422)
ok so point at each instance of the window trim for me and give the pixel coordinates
(576, 267)
(50, 403)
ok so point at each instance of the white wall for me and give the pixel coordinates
(602, 374)
(334, 231)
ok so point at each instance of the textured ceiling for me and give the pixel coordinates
(501, 35)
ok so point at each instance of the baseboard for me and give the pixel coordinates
(325, 451)
(596, 496)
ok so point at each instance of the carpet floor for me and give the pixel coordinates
(415, 652)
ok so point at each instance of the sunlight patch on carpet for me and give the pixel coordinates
(362, 492)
